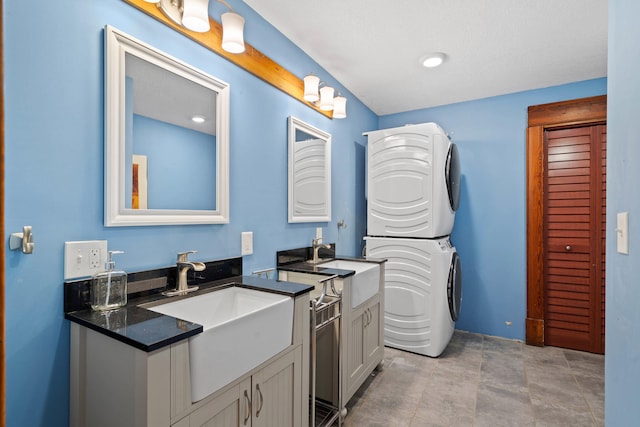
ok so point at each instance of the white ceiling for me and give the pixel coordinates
(493, 47)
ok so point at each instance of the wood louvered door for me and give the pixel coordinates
(574, 237)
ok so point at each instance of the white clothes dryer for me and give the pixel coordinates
(413, 182)
(423, 292)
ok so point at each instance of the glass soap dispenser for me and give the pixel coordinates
(109, 287)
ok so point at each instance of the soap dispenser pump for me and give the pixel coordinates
(109, 287)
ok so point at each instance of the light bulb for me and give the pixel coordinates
(195, 15)
(433, 60)
(326, 98)
(339, 107)
(311, 83)
(232, 32)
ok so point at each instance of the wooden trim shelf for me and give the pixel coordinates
(251, 60)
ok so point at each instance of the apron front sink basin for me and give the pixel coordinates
(242, 328)
(364, 284)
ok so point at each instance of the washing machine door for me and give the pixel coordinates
(452, 177)
(454, 287)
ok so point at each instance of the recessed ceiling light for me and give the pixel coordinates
(433, 59)
(198, 119)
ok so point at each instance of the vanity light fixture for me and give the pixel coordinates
(339, 107)
(191, 14)
(433, 59)
(232, 31)
(326, 98)
(194, 16)
(322, 95)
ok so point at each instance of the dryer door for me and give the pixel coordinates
(452, 176)
(454, 287)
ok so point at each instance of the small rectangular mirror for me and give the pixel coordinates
(309, 173)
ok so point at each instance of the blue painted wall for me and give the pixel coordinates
(490, 227)
(622, 361)
(54, 173)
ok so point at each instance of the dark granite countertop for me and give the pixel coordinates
(305, 267)
(136, 326)
(149, 331)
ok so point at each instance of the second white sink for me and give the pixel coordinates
(242, 329)
(364, 284)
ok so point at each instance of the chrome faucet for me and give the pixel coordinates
(183, 266)
(316, 248)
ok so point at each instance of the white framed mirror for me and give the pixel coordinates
(166, 138)
(309, 173)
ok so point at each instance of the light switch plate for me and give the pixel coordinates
(622, 232)
(247, 242)
(84, 258)
(318, 232)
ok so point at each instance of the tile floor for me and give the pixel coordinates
(483, 381)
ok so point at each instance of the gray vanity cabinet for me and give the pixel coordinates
(115, 384)
(362, 332)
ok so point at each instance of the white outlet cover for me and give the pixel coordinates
(247, 242)
(318, 232)
(622, 232)
(84, 258)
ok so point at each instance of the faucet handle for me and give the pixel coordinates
(184, 256)
(316, 241)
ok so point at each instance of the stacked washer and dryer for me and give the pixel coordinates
(413, 191)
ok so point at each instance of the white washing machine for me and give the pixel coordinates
(413, 182)
(423, 292)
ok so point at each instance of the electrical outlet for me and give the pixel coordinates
(94, 258)
(247, 242)
(318, 232)
(84, 258)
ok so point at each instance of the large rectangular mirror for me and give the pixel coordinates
(166, 138)
(309, 173)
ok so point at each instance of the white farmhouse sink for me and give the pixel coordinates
(364, 284)
(242, 329)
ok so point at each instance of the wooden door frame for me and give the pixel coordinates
(584, 111)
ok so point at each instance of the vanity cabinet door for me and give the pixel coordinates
(364, 345)
(374, 346)
(277, 400)
(231, 409)
(271, 397)
(355, 356)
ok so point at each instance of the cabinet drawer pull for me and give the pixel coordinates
(247, 399)
(260, 402)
